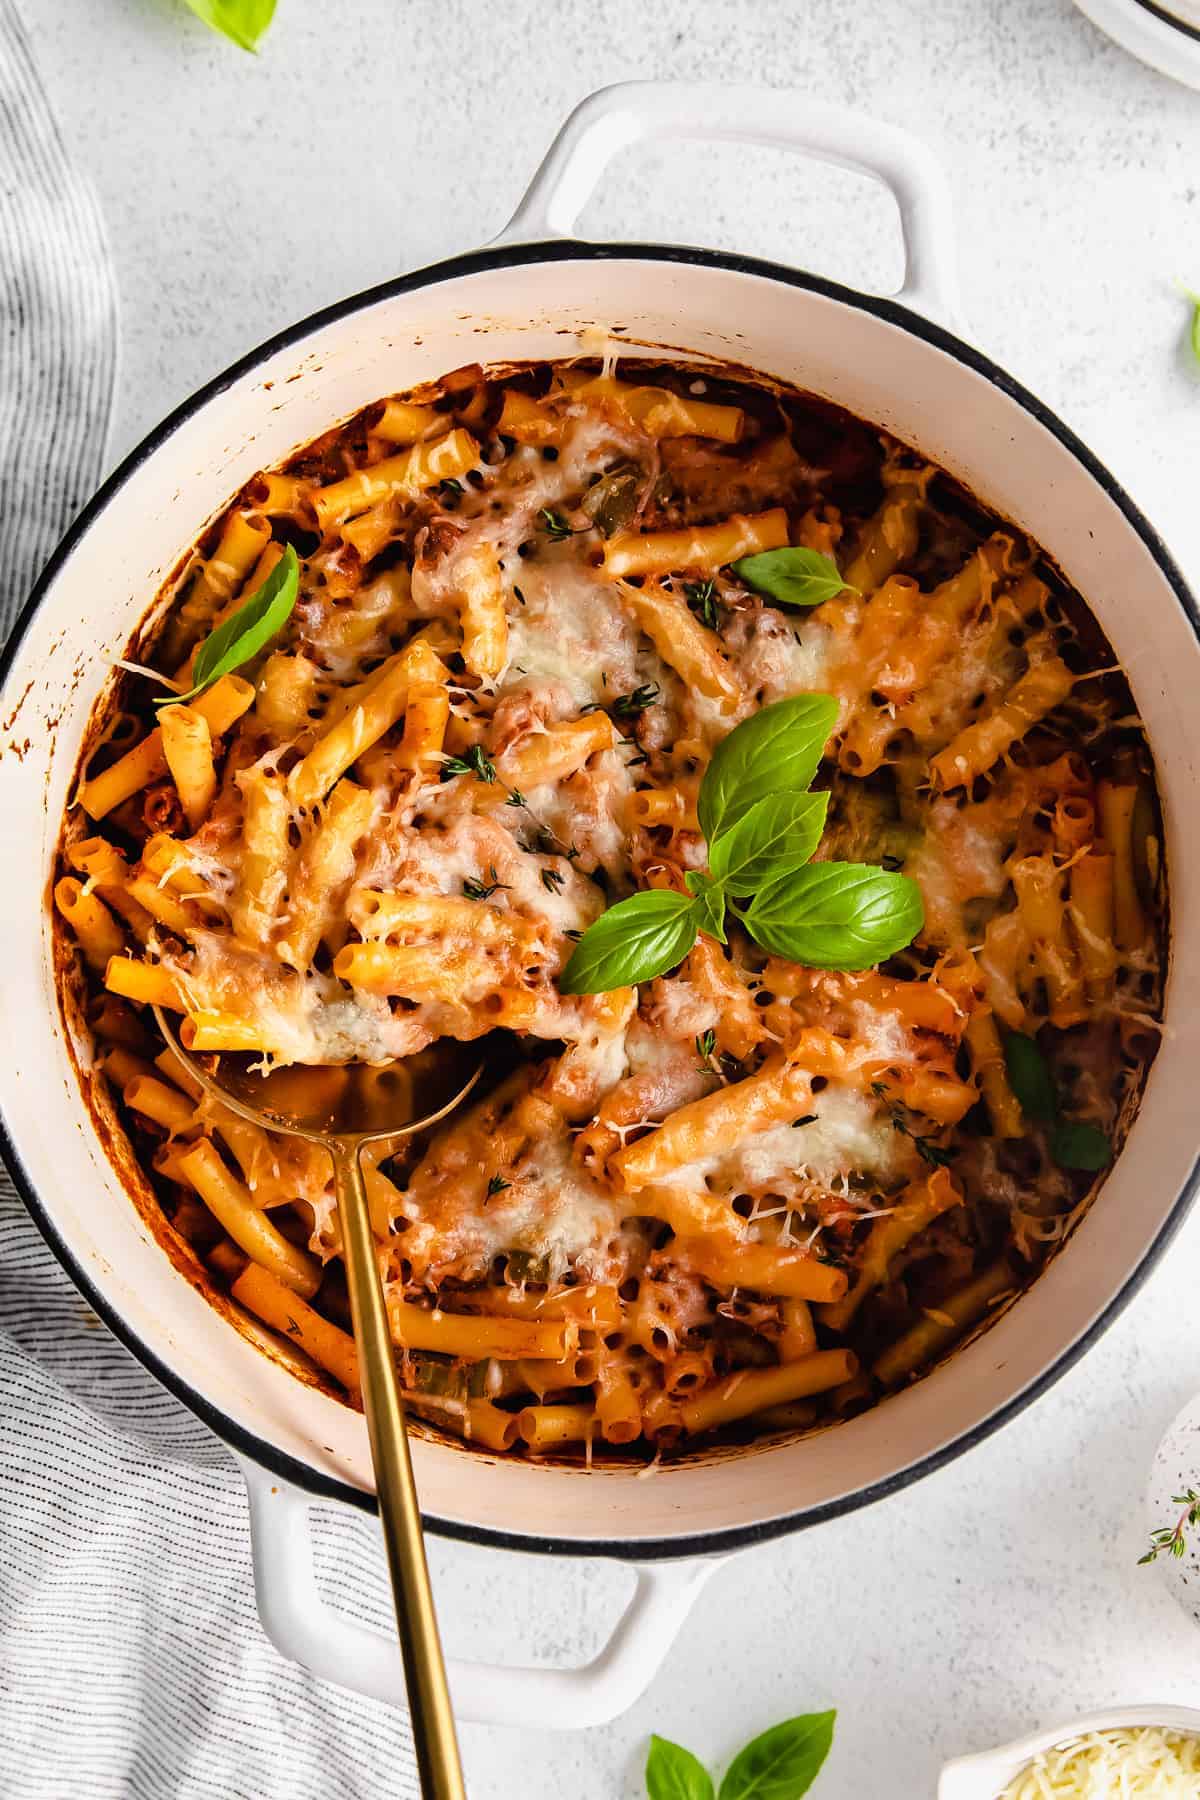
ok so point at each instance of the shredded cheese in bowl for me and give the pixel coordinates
(1121, 1764)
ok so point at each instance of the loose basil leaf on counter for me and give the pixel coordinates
(247, 630)
(710, 904)
(777, 750)
(836, 915)
(242, 21)
(673, 1773)
(1080, 1146)
(777, 834)
(792, 577)
(783, 1763)
(1194, 333)
(633, 941)
(1030, 1078)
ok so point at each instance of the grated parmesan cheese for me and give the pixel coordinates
(1104, 1765)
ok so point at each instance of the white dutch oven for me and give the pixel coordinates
(522, 298)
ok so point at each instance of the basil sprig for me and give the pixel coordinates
(792, 576)
(247, 631)
(762, 826)
(780, 1764)
(242, 21)
(1073, 1144)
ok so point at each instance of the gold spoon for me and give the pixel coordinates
(342, 1109)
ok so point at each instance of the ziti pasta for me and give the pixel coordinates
(782, 807)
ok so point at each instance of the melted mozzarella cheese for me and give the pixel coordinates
(848, 1134)
(775, 659)
(567, 631)
(551, 1210)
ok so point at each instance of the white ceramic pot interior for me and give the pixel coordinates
(528, 307)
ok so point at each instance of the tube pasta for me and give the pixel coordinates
(938, 1329)
(279, 1306)
(1116, 803)
(888, 1236)
(706, 547)
(401, 477)
(228, 1200)
(219, 706)
(481, 602)
(974, 750)
(715, 1123)
(750, 1390)
(96, 931)
(372, 711)
(187, 750)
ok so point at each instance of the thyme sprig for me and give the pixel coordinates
(555, 525)
(477, 763)
(1171, 1540)
(701, 597)
(934, 1154)
(483, 890)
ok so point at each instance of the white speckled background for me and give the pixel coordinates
(240, 194)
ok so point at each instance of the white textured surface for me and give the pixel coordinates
(240, 194)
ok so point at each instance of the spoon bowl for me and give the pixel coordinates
(343, 1108)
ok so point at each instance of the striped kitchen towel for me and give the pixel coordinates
(132, 1666)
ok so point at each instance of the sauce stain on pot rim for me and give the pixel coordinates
(312, 1480)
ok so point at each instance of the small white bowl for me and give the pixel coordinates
(985, 1775)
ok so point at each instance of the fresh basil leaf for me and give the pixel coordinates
(242, 21)
(777, 834)
(633, 941)
(673, 1773)
(1030, 1079)
(836, 915)
(776, 750)
(710, 904)
(792, 577)
(1080, 1146)
(1194, 333)
(247, 630)
(783, 1763)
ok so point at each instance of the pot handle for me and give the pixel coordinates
(335, 1647)
(635, 111)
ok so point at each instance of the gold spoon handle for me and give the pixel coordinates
(416, 1621)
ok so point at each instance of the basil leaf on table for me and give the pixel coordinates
(791, 577)
(783, 1763)
(710, 904)
(1030, 1078)
(777, 750)
(673, 1773)
(243, 22)
(1080, 1146)
(633, 941)
(1194, 333)
(836, 915)
(246, 631)
(778, 834)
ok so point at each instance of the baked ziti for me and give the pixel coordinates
(781, 807)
